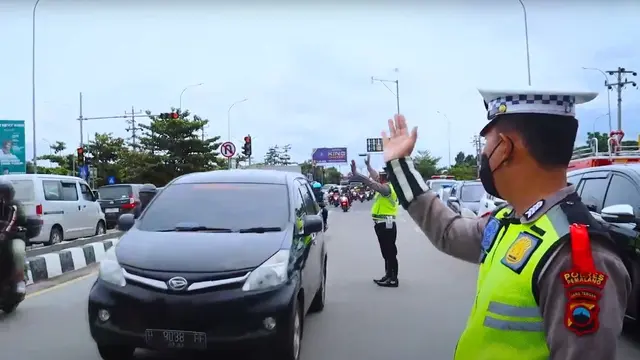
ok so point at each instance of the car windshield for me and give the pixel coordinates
(114, 192)
(24, 190)
(437, 185)
(207, 206)
(471, 192)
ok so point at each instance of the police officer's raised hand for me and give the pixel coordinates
(400, 141)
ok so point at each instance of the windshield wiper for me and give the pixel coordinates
(260, 229)
(196, 229)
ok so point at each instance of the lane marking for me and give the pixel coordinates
(61, 285)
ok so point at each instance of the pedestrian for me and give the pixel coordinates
(147, 193)
(383, 212)
(551, 283)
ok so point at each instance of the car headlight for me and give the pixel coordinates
(110, 270)
(272, 272)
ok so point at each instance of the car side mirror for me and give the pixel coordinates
(96, 195)
(126, 222)
(619, 214)
(312, 224)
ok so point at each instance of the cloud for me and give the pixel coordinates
(306, 69)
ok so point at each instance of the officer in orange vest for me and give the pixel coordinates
(551, 282)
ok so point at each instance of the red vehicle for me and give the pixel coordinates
(345, 203)
(615, 154)
(336, 196)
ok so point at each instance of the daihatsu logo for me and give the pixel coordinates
(177, 283)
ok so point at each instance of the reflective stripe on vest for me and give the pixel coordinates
(505, 322)
(385, 205)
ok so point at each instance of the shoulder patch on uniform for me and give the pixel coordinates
(582, 310)
(489, 236)
(520, 251)
(533, 209)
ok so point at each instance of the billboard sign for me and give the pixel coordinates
(13, 154)
(329, 155)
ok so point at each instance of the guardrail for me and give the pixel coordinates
(36, 251)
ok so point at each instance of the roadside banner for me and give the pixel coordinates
(13, 150)
(337, 155)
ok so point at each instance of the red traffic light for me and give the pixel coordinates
(174, 115)
(247, 139)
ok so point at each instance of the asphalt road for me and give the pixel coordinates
(419, 320)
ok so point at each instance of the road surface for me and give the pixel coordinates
(419, 320)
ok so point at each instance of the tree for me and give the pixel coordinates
(105, 151)
(285, 158)
(426, 164)
(272, 157)
(332, 176)
(174, 147)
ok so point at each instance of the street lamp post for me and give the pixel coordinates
(185, 89)
(33, 87)
(606, 84)
(598, 118)
(396, 93)
(448, 134)
(229, 122)
(526, 38)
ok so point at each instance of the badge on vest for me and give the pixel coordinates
(520, 252)
(489, 237)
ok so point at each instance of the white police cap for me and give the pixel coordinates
(532, 101)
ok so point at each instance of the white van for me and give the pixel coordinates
(66, 205)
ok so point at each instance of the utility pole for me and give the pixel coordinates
(396, 93)
(477, 143)
(619, 86)
(133, 128)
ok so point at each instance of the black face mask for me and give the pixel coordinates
(486, 174)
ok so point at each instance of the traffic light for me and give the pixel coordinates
(246, 149)
(80, 155)
(166, 116)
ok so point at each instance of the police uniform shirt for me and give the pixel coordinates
(461, 237)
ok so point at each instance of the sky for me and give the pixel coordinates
(306, 70)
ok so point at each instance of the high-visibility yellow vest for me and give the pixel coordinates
(385, 205)
(505, 321)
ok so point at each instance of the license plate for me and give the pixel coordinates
(175, 339)
(111, 210)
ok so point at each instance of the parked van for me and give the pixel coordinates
(67, 206)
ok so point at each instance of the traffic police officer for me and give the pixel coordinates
(383, 211)
(551, 283)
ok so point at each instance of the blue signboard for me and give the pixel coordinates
(84, 172)
(329, 155)
(13, 154)
(111, 180)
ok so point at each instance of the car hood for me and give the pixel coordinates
(196, 251)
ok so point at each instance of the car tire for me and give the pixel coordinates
(55, 236)
(101, 229)
(116, 352)
(317, 305)
(289, 344)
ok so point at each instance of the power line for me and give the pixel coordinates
(619, 86)
(133, 126)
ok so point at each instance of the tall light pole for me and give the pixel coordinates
(396, 93)
(606, 84)
(526, 38)
(596, 119)
(448, 134)
(185, 89)
(33, 87)
(229, 122)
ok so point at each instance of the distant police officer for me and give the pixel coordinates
(319, 194)
(551, 283)
(147, 192)
(383, 212)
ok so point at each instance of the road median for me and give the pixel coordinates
(70, 258)
(31, 252)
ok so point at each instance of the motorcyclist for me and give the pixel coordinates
(11, 218)
(319, 194)
(147, 192)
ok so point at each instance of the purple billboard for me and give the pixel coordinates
(329, 155)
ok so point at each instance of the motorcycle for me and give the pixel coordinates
(361, 197)
(370, 195)
(335, 199)
(345, 203)
(10, 298)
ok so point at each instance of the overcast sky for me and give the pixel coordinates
(306, 69)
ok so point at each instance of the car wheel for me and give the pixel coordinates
(100, 228)
(55, 237)
(290, 342)
(317, 305)
(116, 352)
